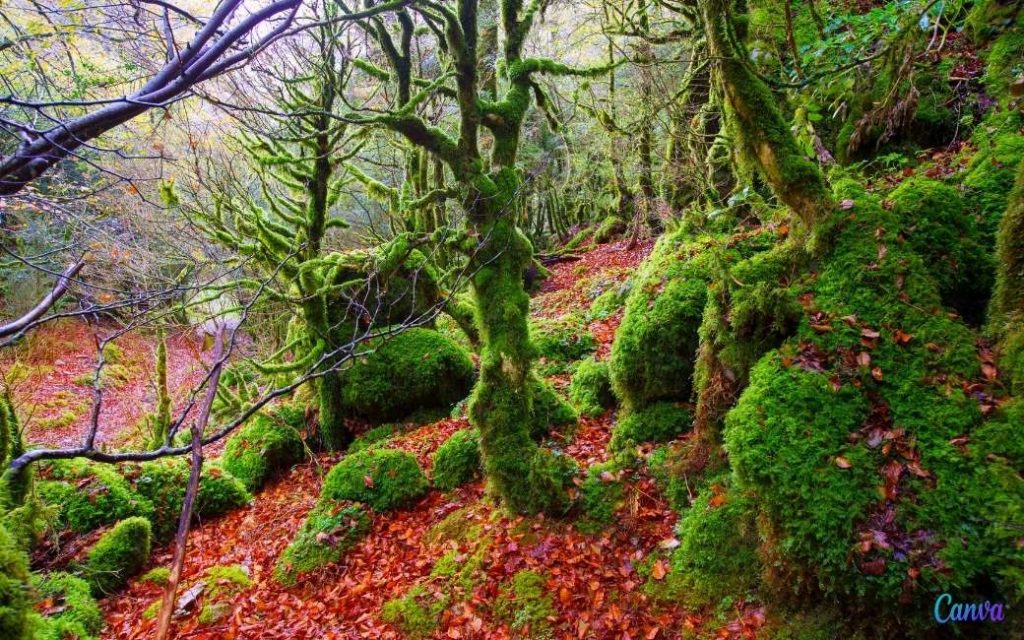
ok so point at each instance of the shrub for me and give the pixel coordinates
(330, 529)
(90, 495)
(415, 369)
(76, 613)
(261, 449)
(660, 422)
(382, 478)
(457, 460)
(14, 594)
(164, 483)
(591, 388)
(940, 231)
(548, 410)
(119, 554)
(523, 602)
(416, 613)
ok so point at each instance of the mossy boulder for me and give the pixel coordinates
(382, 478)
(15, 604)
(457, 460)
(330, 529)
(602, 493)
(119, 554)
(75, 612)
(260, 449)
(940, 230)
(591, 388)
(90, 495)
(560, 342)
(548, 410)
(659, 422)
(848, 437)
(415, 369)
(525, 603)
(164, 483)
(417, 613)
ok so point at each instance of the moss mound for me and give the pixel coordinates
(457, 460)
(992, 170)
(609, 229)
(382, 478)
(939, 230)
(415, 369)
(330, 529)
(76, 613)
(261, 449)
(524, 604)
(119, 554)
(14, 593)
(548, 411)
(660, 422)
(848, 436)
(90, 495)
(560, 342)
(164, 483)
(591, 388)
(601, 494)
(417, 613)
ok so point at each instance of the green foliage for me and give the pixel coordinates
(940, 231)
(601, 495)
(415, 369)
(119, 554)
(90, 495)
(260, 449)
(157, 575)
(164, 483)
(548, 410)
(457, 460)
(560, 342)
(524, 604)
(376, 437)
(14, 593)
(77, 614)
(609, 301)
(591, 388)
(330, 529)
(417, 613)
(659, 422)
(382, 478)
(717, 555)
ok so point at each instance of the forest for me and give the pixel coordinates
(533, 319)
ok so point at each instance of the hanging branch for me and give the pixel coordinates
(59, 289)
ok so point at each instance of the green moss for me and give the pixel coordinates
(164, 483)
(90, 495)
(524, 603)
(1007, 307)
(560, 342)
(990, 175)
(227, 579)
(457, 527)
(717, 555)
(939, 230)
(609, 229)
(457, 460)
(118, 555)
(609, 301)
(213, 612)
(591, 388)
(14, 593)
(157, 575)
(415, 369)
(660, 422)
(382, 478)
(417, 613)
(601, 495)
(261, 449)
(1003, 60)
(330, 530)
(76, 613)
(376, 437)
(547, 410)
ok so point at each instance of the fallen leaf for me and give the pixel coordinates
(843, 463)
(659, 571)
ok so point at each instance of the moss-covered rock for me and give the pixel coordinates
(382, 478)
(164, 483)
(548, 410)
(591, 388)
(939, 229)
(848, 437)
(119, 554)
(525, 603)
(330, 529)
(75, 612)
(660, 422)
(415, 369)
(560, 342)
(457, 460)
(601, 495)
(15, 604)
(260, 449)
(417, 612)
(90, 495)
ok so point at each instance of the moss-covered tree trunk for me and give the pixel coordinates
(1008, 298)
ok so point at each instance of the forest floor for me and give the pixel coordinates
(593, 578)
